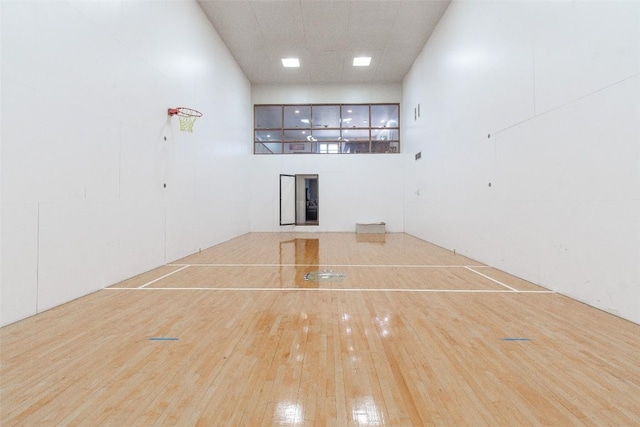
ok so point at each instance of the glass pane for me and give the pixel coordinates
(355, 147)
(352, 128)
(268, 117)
(326, 135)
(351, 135)
(297, 135)
(268, 148)
(298, 147)
(328, 148)
(268, 135)
(297, 116)
(384, 147)
(326, 116)
(384, 116)
(384, 134)
(355, 116)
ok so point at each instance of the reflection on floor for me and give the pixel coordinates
(413, 335)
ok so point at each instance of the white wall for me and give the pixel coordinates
(85, 91)
(556, 85)
(353, 188)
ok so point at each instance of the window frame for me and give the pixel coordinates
(280, 142)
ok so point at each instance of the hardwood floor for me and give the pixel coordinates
(234, 336)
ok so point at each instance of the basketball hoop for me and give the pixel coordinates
(187, 117)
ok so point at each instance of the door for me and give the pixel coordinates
(287, 199)
(299, 199)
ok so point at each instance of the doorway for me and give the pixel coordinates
(299, 199)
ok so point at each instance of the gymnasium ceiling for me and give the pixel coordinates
(326, 35)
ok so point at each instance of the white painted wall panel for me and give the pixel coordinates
(587, 150)
(582, 47)
(326, 94)
(557, 86)
(181, 228)
(78, 250)
(354, 188)
(86, 87)
(19, 279)
(591, 252)
(141, 237)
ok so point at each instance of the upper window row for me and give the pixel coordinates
(322, 128)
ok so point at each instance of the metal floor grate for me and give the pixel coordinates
(324, 276)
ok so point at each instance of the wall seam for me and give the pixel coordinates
(568, 103)
(38, 262)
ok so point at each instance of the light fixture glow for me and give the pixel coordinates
(361, 61)
(290, 62)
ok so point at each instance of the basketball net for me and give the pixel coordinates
(187, 117)
(186, 123)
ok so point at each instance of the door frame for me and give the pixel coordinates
(300, 203)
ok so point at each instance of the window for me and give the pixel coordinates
(327, 129)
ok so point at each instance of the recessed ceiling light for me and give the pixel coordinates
(290, 62)
(361, 61)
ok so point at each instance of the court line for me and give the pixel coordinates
(475, 291)
(160, 278)
(493, 280)
(331, 265)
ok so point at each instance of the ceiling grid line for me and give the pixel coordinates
(325, 35)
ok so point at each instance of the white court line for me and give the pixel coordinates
(470, 291)
(493, 280)
(159, 278)
(332, 265)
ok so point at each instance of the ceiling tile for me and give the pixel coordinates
(324, 67)
(317, 14)
(394, 62)
(325, 35)
(279, 17)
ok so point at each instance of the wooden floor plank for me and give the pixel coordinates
(365, 277)
(380, 354)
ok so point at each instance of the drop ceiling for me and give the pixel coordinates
(326, 35)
